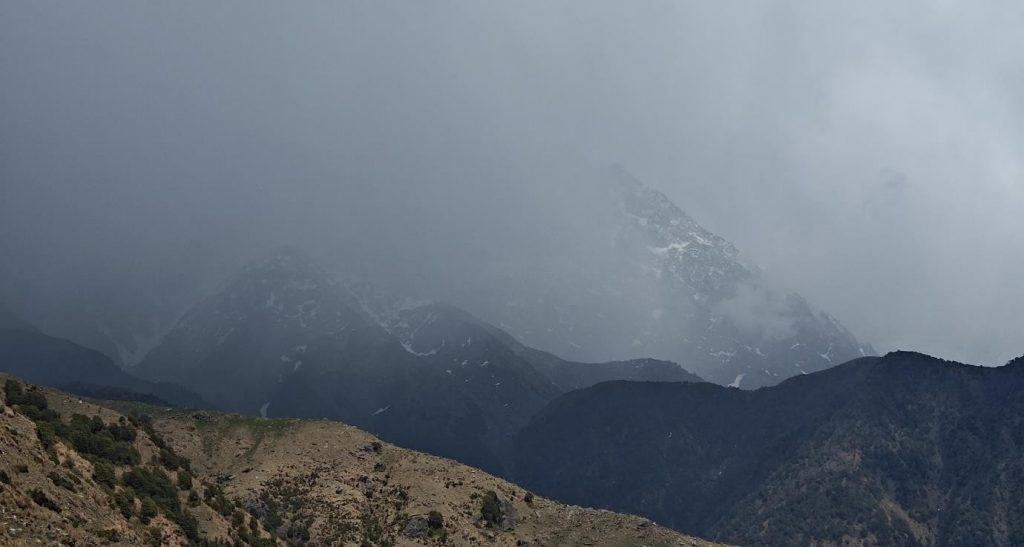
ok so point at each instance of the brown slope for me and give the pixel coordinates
(348, 486)
(315, 483)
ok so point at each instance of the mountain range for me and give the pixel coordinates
(283, 338)
(904, 449)
(631, 276)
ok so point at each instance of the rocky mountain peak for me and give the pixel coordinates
(663, 286)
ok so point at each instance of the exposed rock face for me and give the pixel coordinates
(496, 512)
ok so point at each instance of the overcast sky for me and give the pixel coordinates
(869, 155)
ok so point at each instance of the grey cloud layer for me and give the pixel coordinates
(868, 155)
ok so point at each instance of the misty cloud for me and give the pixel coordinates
(758, 312)
(866, 154)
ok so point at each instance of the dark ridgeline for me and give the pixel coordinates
(32, 355)
(904, 449)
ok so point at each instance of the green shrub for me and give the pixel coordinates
(148, 510)
(61, 481)
(16, 396)
(121, 432)
(89, 436)
(184, 480)
(435, 520)
(188, 525)
(156, 536)
(172, 461)
(42, 500)
(145, 423)
(103, 473)
(125, 500)
(92, 437)
(46, 433)
(153, 484)
(110, 535)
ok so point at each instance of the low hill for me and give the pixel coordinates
(75, 472)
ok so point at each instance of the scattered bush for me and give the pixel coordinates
(184, 480)
(145, 423)
(156, 536)
(122, 432)
(214, 497)
(16, 396)
(125, 501)
(153, 484)
(148, 510)
(47, 434)
(103, 473)
(435, 520)
(61, 481)
(188, 525)
(172, 461)
(42, 500)
(110, 536)
(91, 436)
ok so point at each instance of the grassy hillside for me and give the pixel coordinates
(75, 472)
